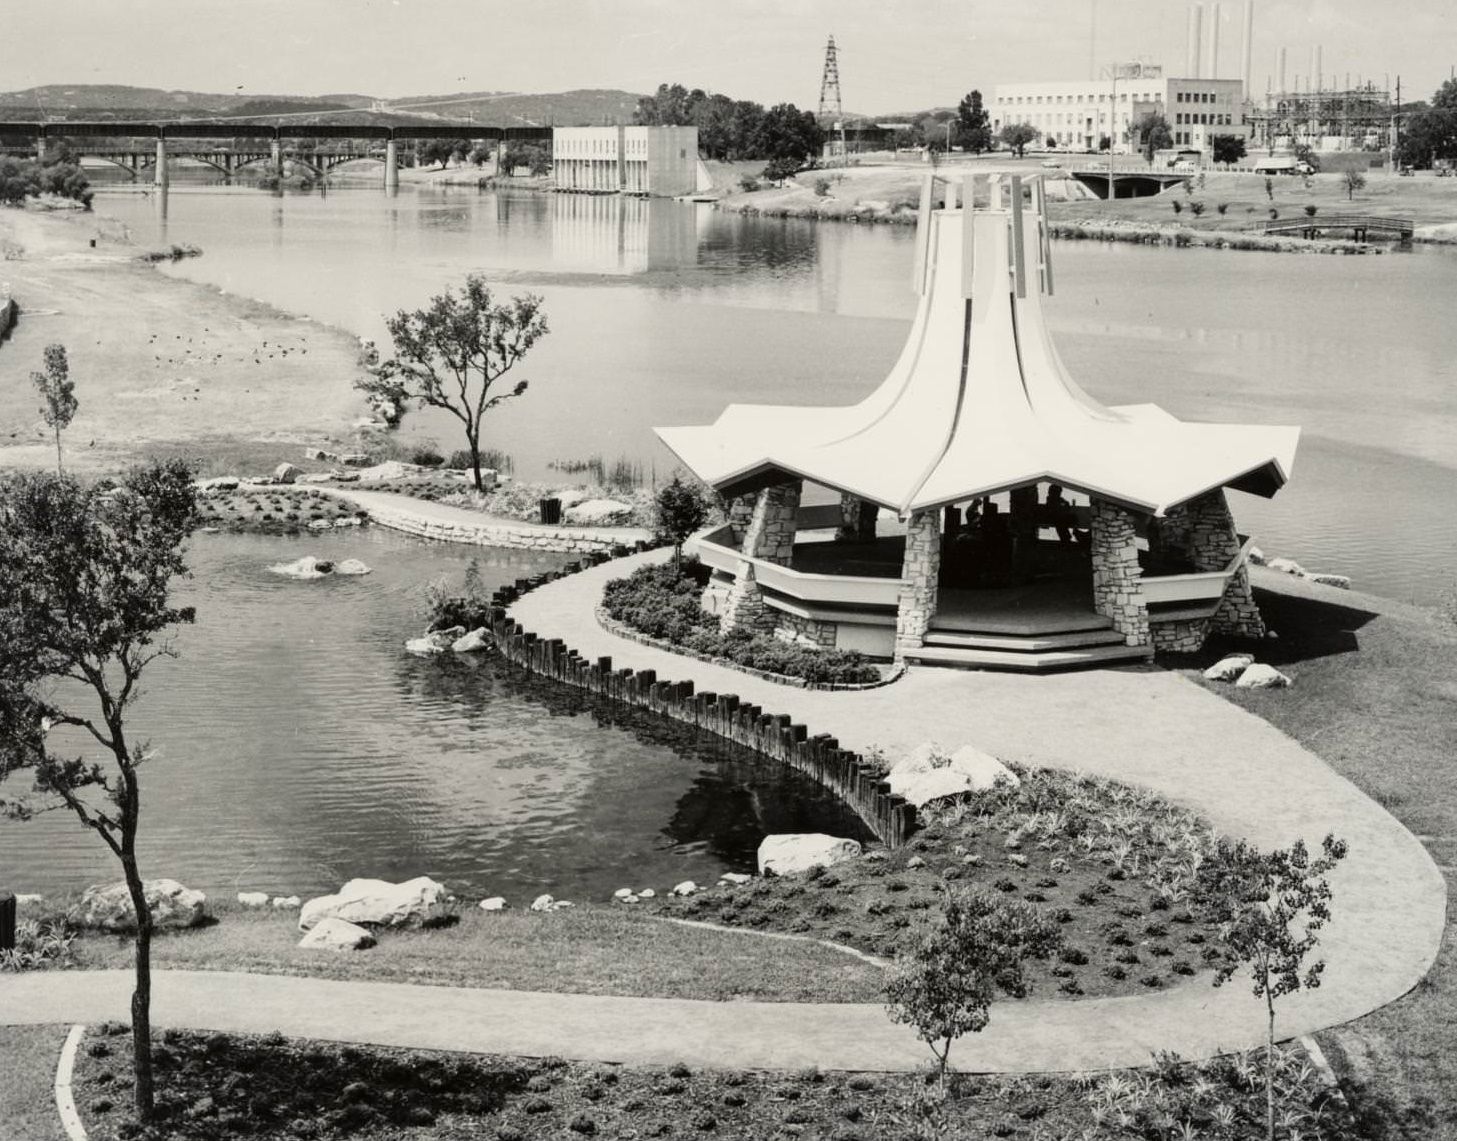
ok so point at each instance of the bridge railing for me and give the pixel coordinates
(1337, 222)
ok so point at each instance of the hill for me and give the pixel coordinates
(588, 107)
(113, 101)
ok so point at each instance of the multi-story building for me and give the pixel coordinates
(661, 162)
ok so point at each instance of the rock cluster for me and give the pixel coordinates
(310, 567)
(378, 903)
(1246, 673)
(109, 907)
(929, 773)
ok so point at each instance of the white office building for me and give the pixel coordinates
(654, 161)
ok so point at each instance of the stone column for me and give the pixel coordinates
(857, 519)
(919, 572)
(1117, 593)
(1211, 545)
(740, 511)
(391, 166)
(159, 173)
(769, 537)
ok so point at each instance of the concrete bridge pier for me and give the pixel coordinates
(391, 167)
(159, 173)
(40, 149)
(275, 157)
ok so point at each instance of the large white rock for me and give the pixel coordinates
(929, 772)
(494, 903)
(920, 788)
(337, 935)
(172, 905)
(435, 643)
(253, 898)
(472, 643)
(791, 852)
(218, 483)
(570, 496)
(687, 887)
(285, 473)
(286, 902)
(1286, 566)
(377, 902)
(598, 512)
(1261, 676)
(983, 768)
(738, 879)
(1339, 581)
(307, 567)
(351, 567)
(1229, 668)
(542, 903)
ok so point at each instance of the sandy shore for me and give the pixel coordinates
(160, 364)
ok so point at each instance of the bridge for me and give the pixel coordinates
(1360, 225)
(231, 146)
(1143, 182)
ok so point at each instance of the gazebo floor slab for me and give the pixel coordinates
(1029, 661)
(1057, 606)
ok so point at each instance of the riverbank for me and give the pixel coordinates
(161, 365)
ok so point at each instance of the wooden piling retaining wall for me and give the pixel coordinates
(858, 784)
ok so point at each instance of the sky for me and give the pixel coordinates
(895, 55)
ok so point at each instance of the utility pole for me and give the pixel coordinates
(830, 97)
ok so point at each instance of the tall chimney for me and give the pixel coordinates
(1281, 73)
(1319, 69)
(1214, 16)
(1196, 54)
(1249, 36)
(1314, 68)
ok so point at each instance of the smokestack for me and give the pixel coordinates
(1281, 72)
(1314, 68)
(1196, 29)
(1214, 16)
(1319, 70)
(1249, 36)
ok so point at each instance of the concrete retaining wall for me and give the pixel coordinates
(566, 539)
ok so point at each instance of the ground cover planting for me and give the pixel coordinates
(1111, 864)
(213, 1085)
(27, 1100)
(278, 509)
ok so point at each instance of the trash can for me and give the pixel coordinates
(551, 510)
(7, 921)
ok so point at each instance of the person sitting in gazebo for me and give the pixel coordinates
(1058, 512)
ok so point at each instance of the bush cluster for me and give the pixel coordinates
(663, 602)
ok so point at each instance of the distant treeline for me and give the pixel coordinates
(733, 129)
(59, 174)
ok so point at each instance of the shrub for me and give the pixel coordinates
(748, 183)
(426, 455)
(1311, 209)
(1196, 208)
(1274, 214)
(44, 942)
(1223, 208)
(822, 187)
(1178, 206)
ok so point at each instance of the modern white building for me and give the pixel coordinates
(660, 162)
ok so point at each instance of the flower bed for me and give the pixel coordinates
(1112, 863)
(661, 601)
(274, 510)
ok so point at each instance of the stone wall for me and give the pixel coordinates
(1117, 593)
(525, 536)
(804, 631)
(740, 511)
(919, 572)
(857, 519)
(1212, 545)
(1184, 636)
(768, 535)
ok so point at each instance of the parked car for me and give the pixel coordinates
(1051, 162)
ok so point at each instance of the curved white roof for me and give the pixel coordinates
(980, 402)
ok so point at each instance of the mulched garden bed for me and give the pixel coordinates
(1113, 865)
(274, 510)
(218, 1086)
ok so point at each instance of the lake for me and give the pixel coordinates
(663, 312)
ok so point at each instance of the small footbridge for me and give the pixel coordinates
(1360, 226)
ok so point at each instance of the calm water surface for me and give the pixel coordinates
(663, 312)
(297, 745)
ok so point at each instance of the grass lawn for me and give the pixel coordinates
(213, 1086)
(28, 1056)
(1375, 696)
(586, 950)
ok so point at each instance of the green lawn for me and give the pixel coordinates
(1375, 696)
(587, 950)
(28, 1056)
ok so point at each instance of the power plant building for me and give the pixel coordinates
(658, 162)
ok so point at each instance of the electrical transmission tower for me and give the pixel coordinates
(831, 113)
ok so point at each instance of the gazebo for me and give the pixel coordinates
(1034, 527)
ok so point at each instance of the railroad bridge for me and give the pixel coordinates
(230, 146)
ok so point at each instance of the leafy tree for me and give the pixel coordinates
(1228, 148)
(428, 151)
(84, 610)
(1017, 136)
(973, 124)
(1355, 181)
(779, 169)
(1311, 210)
(1269, 906)
(681, 510)
(58, 391)
(1429, 132)
(1305, 153)
(534, 156)
(945, 984)
(1154, 134)
(452, 354)
(669, 107)
(1269, 188)
(789, 133)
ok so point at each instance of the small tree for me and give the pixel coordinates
(1311, 210)
(58, 391)
(1269, 906)
(1269, 188)
(1154, 130)
(452, 354)
(681, 510)
(1355, 181)
(1017, 136)
(1196, 208)
(779, 169)
(945, 985)
(83, 612)
(1228, 148)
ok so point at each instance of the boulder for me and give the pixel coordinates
(738, 879)
(377, 902)
(314, 477)
(318, 454)
(562, 904)
(1256, 557)
(348, 521)
(647, 893)
(218, 483)
(494, 903)
(929, 773)
(622, 893)
(354, 459)
(598, 512)
(984, 769)
(321, 524)
(791, 852)
(109, 907)
(1260, 676)
(286, 473)
(390, 469)
(336, 935)
(1228, 668)
(472, 643)
(307, 567)
(286, 902)
(436, 642)
(569, 496)
(29, 899)
(253, 898)
(687, 887)
(921, 788)
(351, 567)
(1339, 581)
(542, 903)
(1286, 566)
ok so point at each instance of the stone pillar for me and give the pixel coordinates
(1117, 593)
(1212, 545)
(769, 537)
(740, 511)
(159, 172)
(275, 158)
(857, 519)
(40, 149)
(919, 572)
(391, 166)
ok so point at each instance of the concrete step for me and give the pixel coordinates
(1029, 643)
(1030, 662)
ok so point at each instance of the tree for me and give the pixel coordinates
(1355, 181)
(84, 610)
(1017, 136)
(1429, 132)
(1228, 148)
(976, 947)
(681, 509)
(1154, 134)
(58, 391)
(780, 169)
(1269, 906)
(789, 133)
(452, 354)
(533, 156)
(973, 124)
(436, 150)
(1305, 153)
